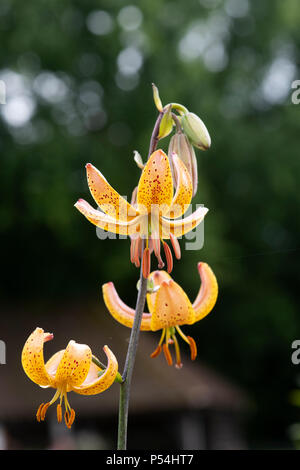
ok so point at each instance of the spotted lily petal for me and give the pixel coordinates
(157, 277)
(184, 190)
(106, 197)
(172, 307)
(93, 384)
(105, 221)
(33, 357)
(120, 311)
(74, 364)
(52, 365)
(180, 227)
(208, 293)
(156, 186)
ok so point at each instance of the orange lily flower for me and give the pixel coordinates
(169, 308)
(152, 217)
(70, 369)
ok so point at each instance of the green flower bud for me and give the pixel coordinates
(166, 124)
(180, 145)
(196, 131)
(156, 98)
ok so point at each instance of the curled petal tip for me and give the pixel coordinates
(48, 337)
(88, 165)
(201, 265)
(78, 202)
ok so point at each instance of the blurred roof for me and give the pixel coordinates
(156, 386)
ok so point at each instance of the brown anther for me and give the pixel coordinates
(67, 417)
(169, 257)
(139, 248)
(59, 413)
(132, 245)
(38, 413)
(44, 411)
(193, 348)
(156, 352)
(176, 246)
(71, 419)
(146, 263)
(137, 253)
(167, 354)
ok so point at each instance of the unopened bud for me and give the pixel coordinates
(156, 98)
(196, 131)
(180, 145)
(166, 124)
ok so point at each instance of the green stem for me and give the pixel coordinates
(180, 108)
(177, 123)
(129, 364)
(135, 331)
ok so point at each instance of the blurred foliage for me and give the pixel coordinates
(78, 76)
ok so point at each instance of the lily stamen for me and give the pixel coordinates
(176, 246)
(59, 413)
(177, 352)
(183, 336)
(38, 413)
(167, 354)
(169, 257)
(44, 411)
(193, 348)
(67, 418)
(156, 352)
(158, 349)
(146, 263)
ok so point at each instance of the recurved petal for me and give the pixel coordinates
(120, 311)
(172, 307)
(74, 365)
(106, 197)
(184, 191)
(106, 222)
(180, 227)
(155, 186)
(33, 357)
(157, 277)
(208, 293)
(94, 384)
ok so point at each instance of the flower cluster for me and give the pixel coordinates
(153, 221)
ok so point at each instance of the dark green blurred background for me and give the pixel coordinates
(78, 80)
